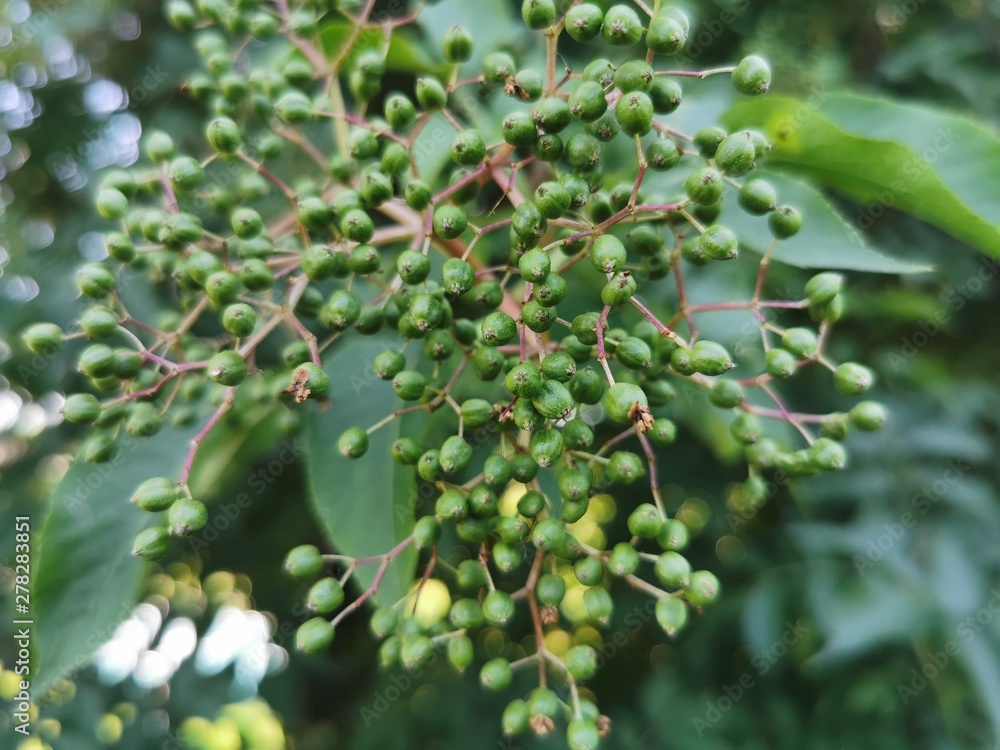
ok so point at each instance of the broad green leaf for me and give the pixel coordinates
(404, 55)
(86, 580)
(937, 166)
(366, 505)
(826, 239)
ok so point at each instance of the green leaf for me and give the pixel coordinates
(366, 505)
(826, 239)
(404, 55)
(86, 581)
(936, 166)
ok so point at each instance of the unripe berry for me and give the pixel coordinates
(735, 155)
(426, 532)
(144, 420)
(852, 379)
(868, 416)
(671, 614)
(457, 45)
(227, 368)
(516, 718)
(553, 400)
(155, 494)
(666, 95)
(498, 328)
(625, 467)
(623, 560)
(582, 734)
(588, 570)
(619, 290)
(468, 148)
(95, 281)
(824, 287)
(666, 35)
(801, 342)
(399, 112)
(303, 561)
(784, 222)
(325, 596)
(702, 588)
(160, 146)
(645, 522)
(726, 394)
(97, 361)
(314, 635)
(780, 363)
(704, 186)
(450, 221)
(498, 607)
(496, 674)
(430, 94)
(607, 254)
(621, 399)
(224, 135)
(81, 408)
(152, 543)
(98, 323)
(710, 358)
(581, 662)
(498, 67)
(531, 503)
(672, 569)
(664, 432)
(673, 536)
(752, 76)
(409, 385)
(634, 112)
(547, 534)
(294, 108)
(111, 204)
(353, 443)
(758, 197)
(460, 652)
(544, 702)
(357, 226)
(583, 22)
(622, 26)
(538, 14)
(187, 516)
(599, 605)
(43, 338)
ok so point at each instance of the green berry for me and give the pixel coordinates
(426, 532)
(516, 718)
(622, 26)
(81, 408)
(187, 516)
(645, 521)
(824, 287)
(303, 561)
(155, 494)
(673, 536)
(498, 607)
(704, 186)
(43, 338)
(634, 112)
(710, 358)
(582, 735)
(538, 14)
(666, 95)
(460, 652)
(547, 534)
(752, 76)
(468, 148)
(802, 342)
(853, 379)
(666, 35)
(498, 328)
(97, 361)
(325, 596)
(450, 221)
(160, 146)
(702, 588)
(735, 155)
(353, 442)
(544, 702)
(431, 94)
(224, 135)
(784, 222)
(519, 129)
(664, 432)
(457, 45)
(581, 661)
(671, 614)
(625, 467)
(599, 605)
(622, 400)
(111, 204)
(152, 543)
(498, 67)
(409, 385)
(227, 368)
(143, 420)
(239, 319)
(496, 674)
(584, 21)
(399, 112)
(672, 569)
(868, 416)
(95, 281)
(758, 197)
(608, 254)
(314, 635)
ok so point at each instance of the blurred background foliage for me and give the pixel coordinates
(835, 599)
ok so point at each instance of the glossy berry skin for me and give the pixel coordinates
(671, 615)
(538, 14)
(583, 22)
(156, 494)
(468, 148)
(719, 243)
(666, 35)
(81, 408)
(43, 338)
(498, 328)
(186, 516)
(450, 221)
(496, 674)
(620, 401)
(303, 561)
(152, 543)
(314, 635)
(239, 319)
(325, 596)
(853, 379)
(758, 197)
(752, 76)
(735, 155)
(622, 26)
(498, 607)
(227, 368)
(702, 588)
(704, 186)
(353, 443)
(784, 222)
(645, 521)
(634, 112)
(867, 416)
(672, 569)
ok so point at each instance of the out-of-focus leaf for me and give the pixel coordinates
(826, 240)
(366, 505)
(404, 55)
(86, 580)
(938, 167)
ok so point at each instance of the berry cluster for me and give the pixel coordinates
(251, 250)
